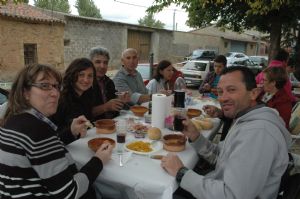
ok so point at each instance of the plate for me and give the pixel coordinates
(155, 145)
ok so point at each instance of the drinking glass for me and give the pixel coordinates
(121, 128)
(179, 116)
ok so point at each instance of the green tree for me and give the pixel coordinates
(87, 8)
(57, 5)
(148, 20)
(264, 15)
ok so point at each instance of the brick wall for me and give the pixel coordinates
(13, 35)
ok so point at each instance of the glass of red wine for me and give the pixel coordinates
(121, 135)
(179, 116)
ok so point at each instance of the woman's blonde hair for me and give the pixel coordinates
(23, 82)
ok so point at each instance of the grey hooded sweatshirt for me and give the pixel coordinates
(249, 163)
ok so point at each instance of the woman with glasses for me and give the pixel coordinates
(34, 162)
(77, 97)
(275, 96)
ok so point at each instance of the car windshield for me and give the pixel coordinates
(197, 53)
(200, 66)
(144, 70)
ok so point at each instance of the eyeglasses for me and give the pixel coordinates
(47, 86)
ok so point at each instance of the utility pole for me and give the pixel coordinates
(174, 13)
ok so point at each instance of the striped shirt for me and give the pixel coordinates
(35, 164)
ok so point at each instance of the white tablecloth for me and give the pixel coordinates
(141, 176)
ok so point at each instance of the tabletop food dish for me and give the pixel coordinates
(105, 126)
(174, 142)
(192, 112)
(139, 110)
(95, 143)
(143, 147)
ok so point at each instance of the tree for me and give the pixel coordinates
(148, 20)
(264, 15)
(87, 8)
(56, 5)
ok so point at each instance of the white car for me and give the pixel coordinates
(195, 71)
(233, 57)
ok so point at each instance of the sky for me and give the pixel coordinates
(130, 11)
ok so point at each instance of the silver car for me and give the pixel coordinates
(195, 71)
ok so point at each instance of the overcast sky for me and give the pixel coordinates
(122, 11)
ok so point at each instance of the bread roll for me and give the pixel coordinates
(197, 125)
(206, 124)
(154, 133)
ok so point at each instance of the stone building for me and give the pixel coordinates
(27, 35)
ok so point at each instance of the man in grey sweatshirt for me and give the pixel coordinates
(250, 161)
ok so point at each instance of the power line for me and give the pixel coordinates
(131, 4)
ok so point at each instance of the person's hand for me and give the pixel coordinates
(127, 97)
(104, 152)
(166, 92)
(78, 126)
(206, 87)
(190, 130)
(212, 111)
(171, 163)
(114, 105)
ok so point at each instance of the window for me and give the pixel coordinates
(30, 54)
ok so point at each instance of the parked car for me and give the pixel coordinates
(3, 95)
(144, 70)
(255, 68)
(234, 57)
(260, 60)
(202, 54)
(195, 71)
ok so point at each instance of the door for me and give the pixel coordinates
(140, 40)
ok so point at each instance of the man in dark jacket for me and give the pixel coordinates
(107, 105)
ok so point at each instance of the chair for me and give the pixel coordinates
(295, 123)
(289, 185)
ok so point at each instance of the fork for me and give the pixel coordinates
(120, 159)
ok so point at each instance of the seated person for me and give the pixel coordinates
(210, 82)
(107, 104)
(129, 79)
(274, 94)
(77, 97)
(291, 70)
(281, 60)
(34, 162)
(162, 75)
(253, 157)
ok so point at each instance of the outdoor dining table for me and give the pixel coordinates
(140, 176)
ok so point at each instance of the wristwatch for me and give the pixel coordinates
(180, 174)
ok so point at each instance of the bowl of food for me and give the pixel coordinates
(192, 112)
(139, 110)
(95, 144)
(174, 142)
(105, 126)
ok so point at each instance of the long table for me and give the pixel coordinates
(141, 176)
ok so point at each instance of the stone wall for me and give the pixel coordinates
(82, 35)
(13, 35)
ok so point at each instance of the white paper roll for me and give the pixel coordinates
(159, 103)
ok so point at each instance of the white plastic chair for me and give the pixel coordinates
(295, 123)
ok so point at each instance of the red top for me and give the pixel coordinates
(283, 104)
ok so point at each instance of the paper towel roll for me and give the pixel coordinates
(159, 103)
